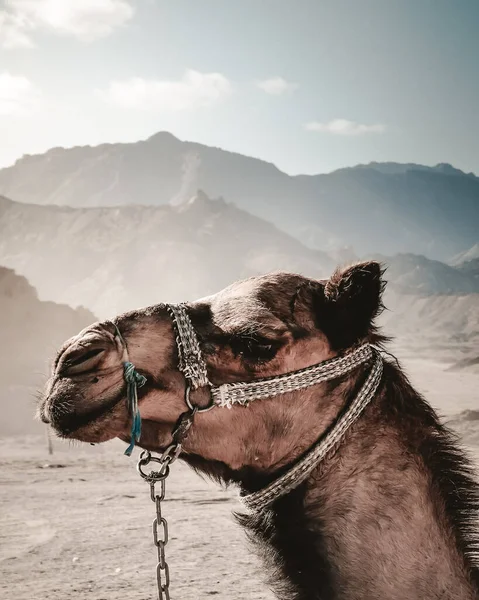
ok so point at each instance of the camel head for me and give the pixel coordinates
(260, 327)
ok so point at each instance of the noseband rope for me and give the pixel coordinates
(133, 381)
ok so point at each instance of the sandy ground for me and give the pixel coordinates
(77, 524)
(82, 530)
(449, 392)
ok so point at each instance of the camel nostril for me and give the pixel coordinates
(84, 357)
(81, 360)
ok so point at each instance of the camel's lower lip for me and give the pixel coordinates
(66, 425)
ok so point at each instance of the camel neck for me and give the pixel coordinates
(374, 520)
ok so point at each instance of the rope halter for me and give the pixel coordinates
(133, 381)
(192, 365)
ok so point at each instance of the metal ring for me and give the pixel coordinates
(170, 454)
(194, 407)
(153, 475)
(165, 460)
(145, 456)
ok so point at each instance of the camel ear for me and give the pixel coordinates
(350, 302)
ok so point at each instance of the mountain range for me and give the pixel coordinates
(117, 226)
(385, 208)
(117, 258)
(113, 259)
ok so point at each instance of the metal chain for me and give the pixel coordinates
(160, 524)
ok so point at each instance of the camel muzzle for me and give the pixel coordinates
(76, 394)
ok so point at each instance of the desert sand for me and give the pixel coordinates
(78, 524)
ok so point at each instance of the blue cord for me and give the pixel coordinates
(133, 380)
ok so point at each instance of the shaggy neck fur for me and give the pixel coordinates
(387, 517)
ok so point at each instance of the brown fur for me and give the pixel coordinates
(387, 516)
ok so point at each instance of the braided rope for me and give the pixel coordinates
(259, 500)
(191, 361)
(243, 393)
(193, 367)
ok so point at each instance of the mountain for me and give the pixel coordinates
(392, 168)
(31, 333)
(115, 259)
(439, 326)
(118, 258)
(377, 208)
(468, 262)
(464, 257)
(432, 309)
(470, 268)
(413, 274)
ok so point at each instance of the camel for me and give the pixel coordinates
(388, 513)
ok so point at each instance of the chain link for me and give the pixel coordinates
(160, 524)
(160, 539)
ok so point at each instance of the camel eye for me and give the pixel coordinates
(254, 349)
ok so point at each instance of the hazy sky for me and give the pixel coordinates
(311, 85)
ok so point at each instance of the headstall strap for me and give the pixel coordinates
(258, 501)
(193, 366)
(191, 361)
(243, 393)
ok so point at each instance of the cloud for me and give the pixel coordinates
(276, 86)
(13, 31)
(194, 90)
(344, 127)
(18, 96)
(84, 19)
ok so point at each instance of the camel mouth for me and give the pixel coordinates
(75, 425)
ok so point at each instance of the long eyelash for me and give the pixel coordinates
(250, 348)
